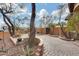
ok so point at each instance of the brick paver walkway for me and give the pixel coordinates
(56, 47)
(52, 47)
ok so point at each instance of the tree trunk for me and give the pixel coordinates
(8, 26)
(32, 26)
(11, 28)
(71, 7)
(61, 26)
(65, 34)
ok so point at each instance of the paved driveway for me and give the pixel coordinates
(56, 47)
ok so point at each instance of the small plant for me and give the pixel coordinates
(30, 51)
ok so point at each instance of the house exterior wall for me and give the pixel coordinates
(4, 34)
(57, 31)
(41, 30)
(53, 31)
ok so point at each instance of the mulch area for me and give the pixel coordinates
(9, 47)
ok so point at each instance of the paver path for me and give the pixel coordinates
(52, 47)
(56, 47)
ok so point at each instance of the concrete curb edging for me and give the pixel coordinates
(39, 49)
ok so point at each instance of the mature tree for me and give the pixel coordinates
(32, 26)
(61, 7)
(45, 19)
(73, 24)
(73, 20)
(7, 9)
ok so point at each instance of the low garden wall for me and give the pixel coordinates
(38, 50)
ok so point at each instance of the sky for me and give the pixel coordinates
(41, 10)
(47, 6)
(41, 7)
